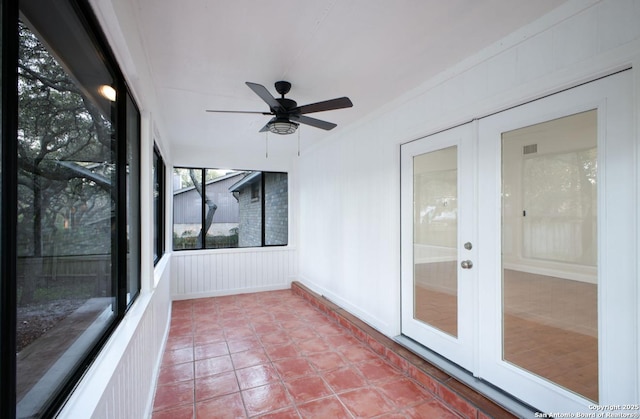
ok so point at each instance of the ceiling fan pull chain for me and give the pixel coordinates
(266, 152)
(298, 142)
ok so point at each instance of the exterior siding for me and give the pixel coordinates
(187, 204)
(187, 207)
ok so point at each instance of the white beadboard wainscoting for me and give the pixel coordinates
(121, 381)
(210, 273)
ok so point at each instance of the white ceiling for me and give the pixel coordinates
(201, 52)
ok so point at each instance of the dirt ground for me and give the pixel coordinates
(35, 320)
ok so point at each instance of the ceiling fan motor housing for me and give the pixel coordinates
(287, 104)
(283, 87)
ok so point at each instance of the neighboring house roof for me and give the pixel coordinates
(216, 180)
(247, 180)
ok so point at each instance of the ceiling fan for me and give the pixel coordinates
(287, 115)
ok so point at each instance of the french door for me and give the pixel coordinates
(438, 200)
(520, 247)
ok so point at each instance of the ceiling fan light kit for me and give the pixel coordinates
(282, 127)
(287, 115)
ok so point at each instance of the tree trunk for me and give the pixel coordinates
(212, 207)
(33, 270)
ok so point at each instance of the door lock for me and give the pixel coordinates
(466, 264)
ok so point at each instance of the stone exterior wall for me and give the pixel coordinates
(276, 212)
(276, 209)
(250, 232)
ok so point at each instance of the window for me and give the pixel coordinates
(255, 191)
(237, 208)
(133, 198)
(75, 211)
(8, 101)
(158, 205)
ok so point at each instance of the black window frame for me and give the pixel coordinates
(261, 198)
(159, 176)
(9, 194)
(10, 15)
(131, 242)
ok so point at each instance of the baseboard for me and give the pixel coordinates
(234, 291)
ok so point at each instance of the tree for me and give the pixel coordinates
(65, 158)
(211, 207)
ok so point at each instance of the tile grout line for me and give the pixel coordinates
(369, 384)
(335, 313)
(193, 359)
(304, 354)
(368, 340)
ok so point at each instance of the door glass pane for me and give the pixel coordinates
(435, 212)
(549, 251)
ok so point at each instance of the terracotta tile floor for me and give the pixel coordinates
(273, 355)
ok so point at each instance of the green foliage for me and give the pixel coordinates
(54, 289)
(188, 240)
(185, 241)
(222, 242)
(65, 170)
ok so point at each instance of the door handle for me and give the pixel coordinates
(466, 264)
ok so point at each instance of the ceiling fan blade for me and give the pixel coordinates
(251, 112)
(313, 122)
(264, 94)
(327, 105)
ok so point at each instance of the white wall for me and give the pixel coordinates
(349, 184)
